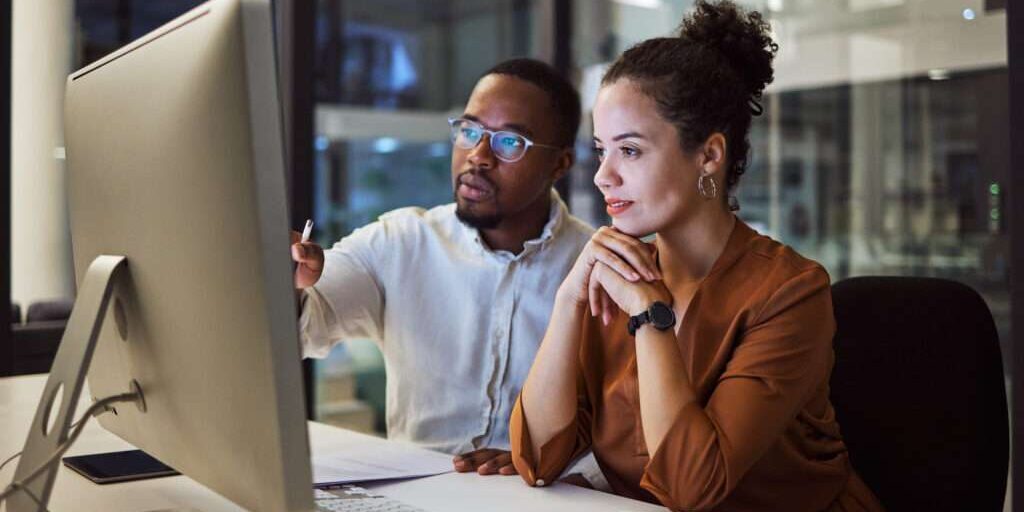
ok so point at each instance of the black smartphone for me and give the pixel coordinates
(106, 468)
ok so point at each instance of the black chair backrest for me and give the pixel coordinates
(15, 313)
(49, 310)
(919, 393)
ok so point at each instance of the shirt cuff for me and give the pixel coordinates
(313, 325)
(554, 454)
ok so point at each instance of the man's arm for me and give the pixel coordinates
(337, 290)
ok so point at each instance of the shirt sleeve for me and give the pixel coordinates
(348, 299)
(569, 443)
(781, 359)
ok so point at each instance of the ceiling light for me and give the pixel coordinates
(385, 145)
(646, 4)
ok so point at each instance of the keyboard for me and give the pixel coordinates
(352, 498)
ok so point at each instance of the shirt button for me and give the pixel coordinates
(540, 482)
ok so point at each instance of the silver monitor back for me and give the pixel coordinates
(175, 160)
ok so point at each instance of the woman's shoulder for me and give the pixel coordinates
(757, 271)
(769, 260)
(770, 280)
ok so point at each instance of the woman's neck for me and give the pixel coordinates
(688, 251)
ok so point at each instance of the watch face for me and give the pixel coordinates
(662, 316)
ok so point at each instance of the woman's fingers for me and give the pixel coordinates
(593, 289)
(636, 253)
(612, 259)
(606, 305)
(601, 302)
(610, 308)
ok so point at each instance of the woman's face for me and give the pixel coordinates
(649, 183)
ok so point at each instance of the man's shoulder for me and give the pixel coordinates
(416, 220)
(576, 230)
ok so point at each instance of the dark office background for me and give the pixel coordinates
(1015, 42)
(5, 178)
(107, 24)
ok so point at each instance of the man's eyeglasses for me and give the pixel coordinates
(507, 146)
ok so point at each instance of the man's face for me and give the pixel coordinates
(489, 191)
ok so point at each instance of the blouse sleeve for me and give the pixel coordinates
(555, 455)
(784, 356)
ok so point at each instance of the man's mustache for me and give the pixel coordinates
(474, 178)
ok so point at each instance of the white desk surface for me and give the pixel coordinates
(443, 493)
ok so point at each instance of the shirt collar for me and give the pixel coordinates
(736, 246)
(556, 219)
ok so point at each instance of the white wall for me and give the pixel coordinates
(41, 265)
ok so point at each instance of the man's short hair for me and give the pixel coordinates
(564, 98)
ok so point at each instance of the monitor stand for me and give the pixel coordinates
(56, 410)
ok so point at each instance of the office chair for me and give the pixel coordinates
(15, 313)
(49, 310)
(919, 393)
(34, 343)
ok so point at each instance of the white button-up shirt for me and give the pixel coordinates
(458, 323)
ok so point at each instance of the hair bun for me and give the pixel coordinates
(742, 38)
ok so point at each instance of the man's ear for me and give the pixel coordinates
(713, 154)
(564, 163)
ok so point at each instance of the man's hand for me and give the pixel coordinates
(486, 461)
(310, 261)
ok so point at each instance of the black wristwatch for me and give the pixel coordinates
(659, 315)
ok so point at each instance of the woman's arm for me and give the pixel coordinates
(700, 452)
(549, 396)
(548, 403)
(706, 449)
(663, 381)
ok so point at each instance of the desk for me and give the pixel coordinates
(443, 493)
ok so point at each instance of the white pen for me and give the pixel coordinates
(307, 230)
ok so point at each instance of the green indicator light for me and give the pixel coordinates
(994, 214)
(993, 189)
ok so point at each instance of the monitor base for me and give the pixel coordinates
(55, 413)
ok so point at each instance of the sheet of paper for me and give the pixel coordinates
(362, 462)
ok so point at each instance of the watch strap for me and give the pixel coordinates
(646, 317)
(636, 321)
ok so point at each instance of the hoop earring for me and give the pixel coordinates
(703, 190)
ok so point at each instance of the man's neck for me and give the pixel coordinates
(512, 233)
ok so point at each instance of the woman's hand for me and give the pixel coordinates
(631, 259)
(608, 289)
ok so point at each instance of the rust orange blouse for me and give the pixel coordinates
(757, 344)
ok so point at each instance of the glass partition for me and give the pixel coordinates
(388, 75)
(883, 149)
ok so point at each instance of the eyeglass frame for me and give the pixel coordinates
(491, 134)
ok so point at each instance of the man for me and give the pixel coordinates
(458, 296)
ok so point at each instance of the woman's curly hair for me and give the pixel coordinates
(708, 79)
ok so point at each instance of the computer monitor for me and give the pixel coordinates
(175, 161)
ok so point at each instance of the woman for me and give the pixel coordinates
(696, 367)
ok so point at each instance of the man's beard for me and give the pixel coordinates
(473, 219)
(476, 220)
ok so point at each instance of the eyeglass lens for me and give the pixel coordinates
(506, 145)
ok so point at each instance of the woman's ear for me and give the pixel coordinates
(713, 154)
